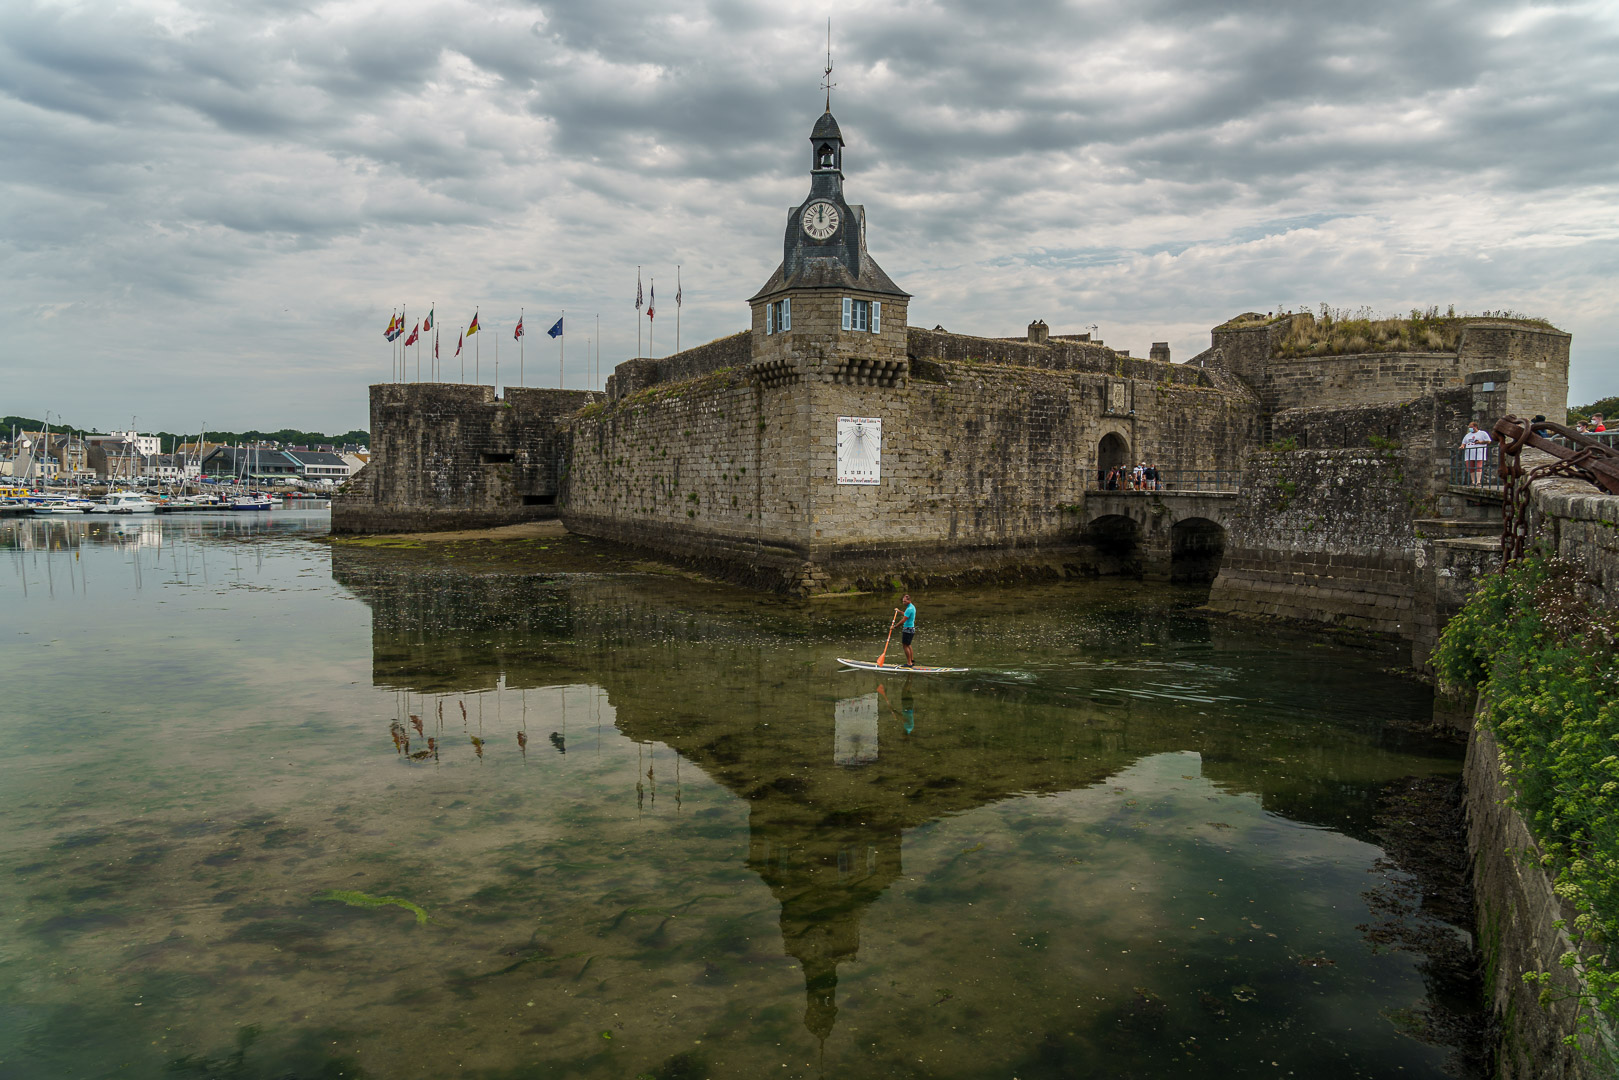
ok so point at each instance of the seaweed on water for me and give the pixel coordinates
(355, 898)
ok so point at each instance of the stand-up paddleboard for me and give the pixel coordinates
(901, 669)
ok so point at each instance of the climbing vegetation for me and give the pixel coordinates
(1544, 662)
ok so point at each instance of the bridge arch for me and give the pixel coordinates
(1196, 547)
(1115, 541)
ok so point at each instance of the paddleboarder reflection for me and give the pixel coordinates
(906, 713)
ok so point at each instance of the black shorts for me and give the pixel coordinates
(906, 636)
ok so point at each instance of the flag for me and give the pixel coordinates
(414, 334)
(389, 333)
(517, 333)
(677, 290)
(651, 299)
(556, 331)
(638, 291)
(458, 342)
(435, 345)
(473, 329)
(427, 324)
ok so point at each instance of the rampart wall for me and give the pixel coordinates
(1055, 354)
(1324, 536)
(1534, 359)
(446, 455)
(983, 465)
(632, 376)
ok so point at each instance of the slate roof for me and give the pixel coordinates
(832, 274)
(316, 457)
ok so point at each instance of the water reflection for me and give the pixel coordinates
(831, 794)
(653, 829)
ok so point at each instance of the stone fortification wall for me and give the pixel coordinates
(1056, 354)
(1520, 916)
(454, 456)
(632, 376)
(1520, 928)
(983, 465)
(1577, 522)
(1324, 536)
(708, 471)
(1532, 360)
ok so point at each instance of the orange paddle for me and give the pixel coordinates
(890, 638)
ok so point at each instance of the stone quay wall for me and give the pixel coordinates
(1518, 917)
(453, 456)
(1324, 536)
(1518, 909)
(983, 467)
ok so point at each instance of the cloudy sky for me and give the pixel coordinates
(211, 209)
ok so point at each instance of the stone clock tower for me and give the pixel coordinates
(828, 313)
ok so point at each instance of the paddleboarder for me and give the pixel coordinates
(908, 628)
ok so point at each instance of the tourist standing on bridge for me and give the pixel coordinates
(1475, 448)
(1596, 423)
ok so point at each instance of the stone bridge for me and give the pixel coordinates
(1173, 534)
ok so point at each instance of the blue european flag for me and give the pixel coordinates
(556, 331)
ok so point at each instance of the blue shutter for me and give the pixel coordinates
(876, 316)
(770, 318)
(847, 306)
(787, 314)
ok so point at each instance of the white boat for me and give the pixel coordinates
(256, 500)
(58, 504)
(124, 502)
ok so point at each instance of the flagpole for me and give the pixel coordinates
(497, 358)
(598, 372)
(477, 355)
(651, 314)
(562, 352)
(459, 342)
(520, 351)
(403, 316)
(677, 307)
(637, 311)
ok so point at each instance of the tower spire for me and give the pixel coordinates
(826, 78)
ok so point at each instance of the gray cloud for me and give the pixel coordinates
(200, 196)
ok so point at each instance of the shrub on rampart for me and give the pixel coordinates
(1545, 667)
(1334, 331)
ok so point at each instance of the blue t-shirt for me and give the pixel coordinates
(910, 617)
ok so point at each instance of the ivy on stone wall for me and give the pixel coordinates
(1544, 664)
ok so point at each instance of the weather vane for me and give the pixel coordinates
(826, 79)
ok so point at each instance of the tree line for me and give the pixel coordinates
(168, 439)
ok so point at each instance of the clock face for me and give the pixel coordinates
(821, 220)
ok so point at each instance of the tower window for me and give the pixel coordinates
(779, 316)
(828, 159)
(862, 315)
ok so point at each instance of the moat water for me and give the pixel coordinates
(274, 808)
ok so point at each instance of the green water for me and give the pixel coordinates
(658, 832)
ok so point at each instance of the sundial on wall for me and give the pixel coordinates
(860, 449)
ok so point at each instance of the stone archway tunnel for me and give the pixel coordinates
(1180, 536)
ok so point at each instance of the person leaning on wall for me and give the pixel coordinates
(1475, 448)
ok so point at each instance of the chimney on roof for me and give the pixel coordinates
(1160, 351)
(1039, 333)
